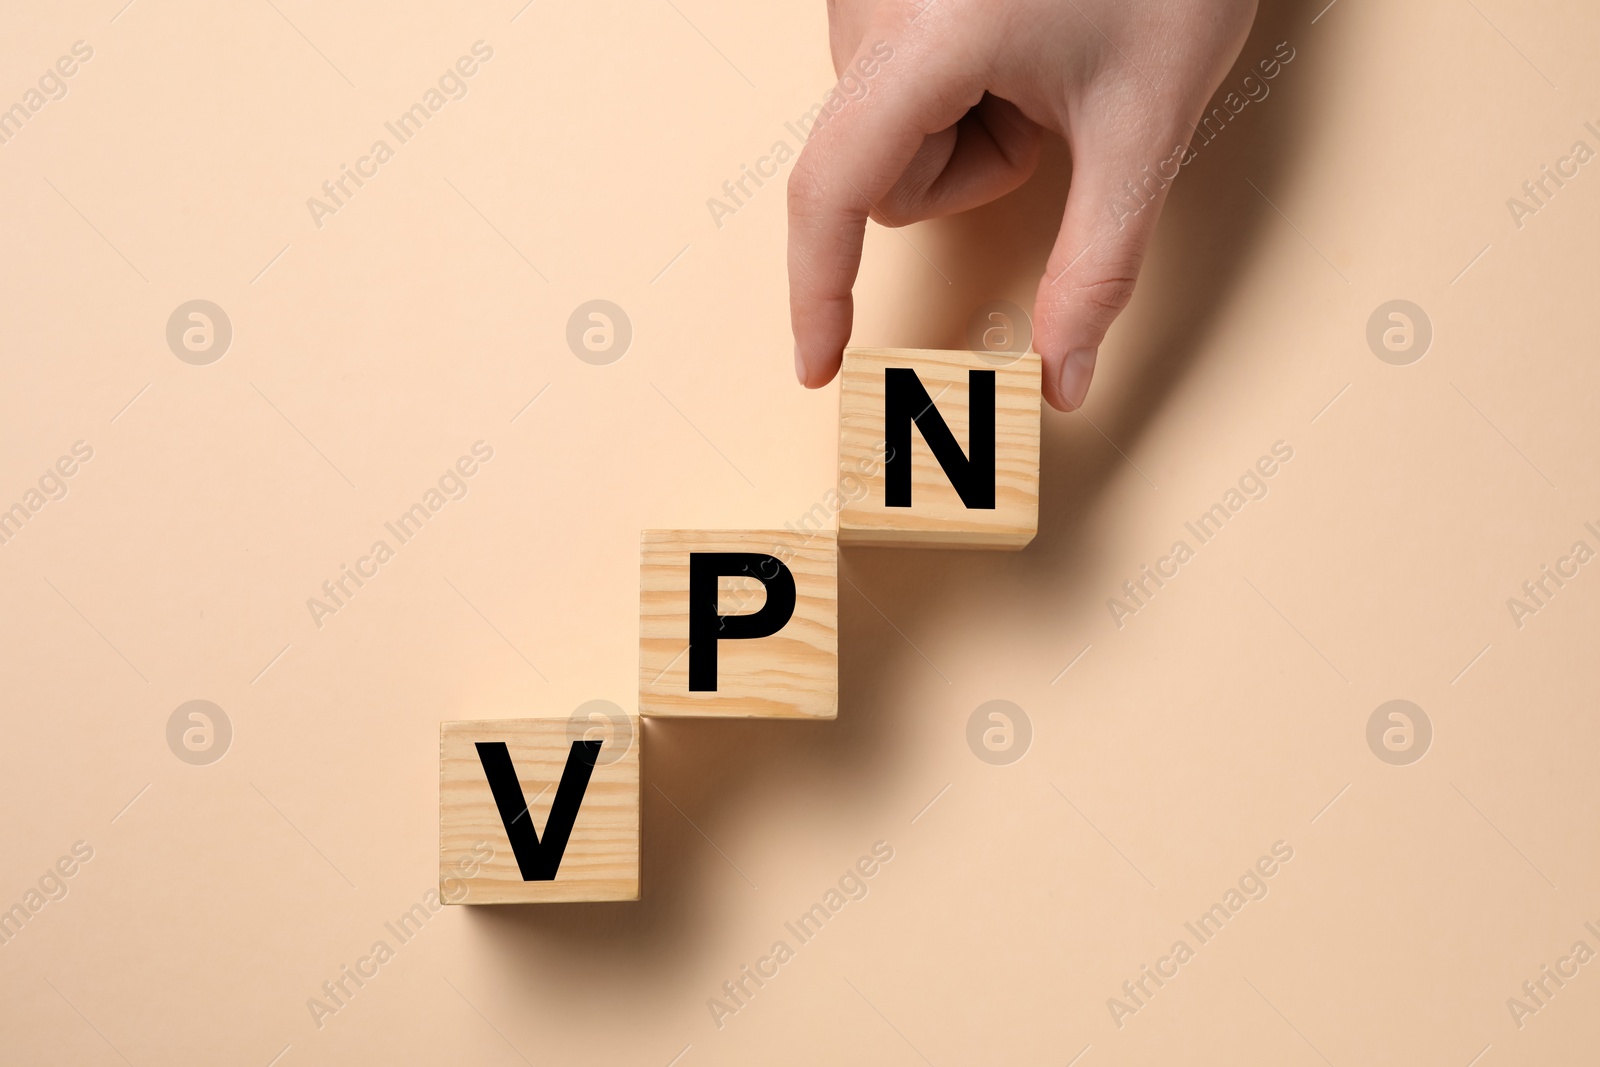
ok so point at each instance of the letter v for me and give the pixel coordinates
(538, 860)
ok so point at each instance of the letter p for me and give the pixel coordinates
(707, 624)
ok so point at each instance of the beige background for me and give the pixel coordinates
(423, 316)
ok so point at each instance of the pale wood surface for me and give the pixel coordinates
(601, 861)
(937, 517)
(792, 674)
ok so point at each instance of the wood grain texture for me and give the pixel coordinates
(937, 517)
(476, 864)
(792, 674)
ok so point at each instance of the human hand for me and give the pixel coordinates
(953, 118)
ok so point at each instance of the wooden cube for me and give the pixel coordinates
(739, 623)
(536, 811)
(939, 449)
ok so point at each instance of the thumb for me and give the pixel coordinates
(1117, 192)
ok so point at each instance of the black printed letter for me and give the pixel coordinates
(706, 626)
(538, 860)
(905, 401)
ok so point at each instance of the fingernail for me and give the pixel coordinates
(1076, 370)
(799, 365)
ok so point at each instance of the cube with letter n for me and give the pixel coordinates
(939, 449)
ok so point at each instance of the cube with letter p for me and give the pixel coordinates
(739, 623)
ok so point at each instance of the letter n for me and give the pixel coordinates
(971, 473)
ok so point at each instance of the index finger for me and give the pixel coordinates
(855, 154)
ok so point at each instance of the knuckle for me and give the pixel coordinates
(804, 187)
(1107, 293)
(806, 194)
